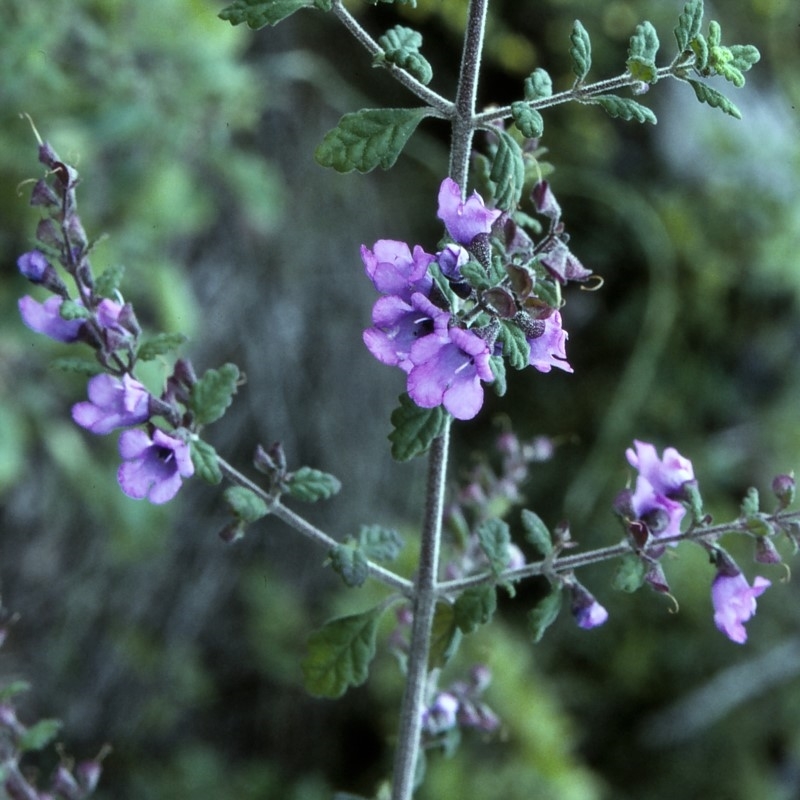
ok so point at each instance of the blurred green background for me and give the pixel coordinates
(194, 140)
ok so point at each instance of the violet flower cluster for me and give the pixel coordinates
(448, 319)
(654, 511)
(154, 461)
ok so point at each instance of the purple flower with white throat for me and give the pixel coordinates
(153, 467)
(397, 325)
(550, 348)
(464, 220)
(395, 270)
(448, 370)
(113, 403)
(734, 602)
(46, 318)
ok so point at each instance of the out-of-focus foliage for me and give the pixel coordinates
(140, 627)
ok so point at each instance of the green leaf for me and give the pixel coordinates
(414, 428)
(159, 345)
(445, 636)
(39, 735)
(751, 504)
(401, 47)
(508, 172)
(476, 606)
(380, 544)
(349, 561)
(340, 652)
(516, 349)
(527, 119)
(204, 458)
(80, 366)
(107, 284)
(213, 393)
(310, 485)
(494, 538)
(372, 137)
(644, 42)
(705, 94)
(689, 24)
(475, 275)
(630, 573)
(642, 70)
(260, 13)
(70, 310)
(538, 85)
(744, 56)
(544, 614)
(13, 689)
(536, 532)
(498, 368)
(581, 51)
(245, 503)
(625, 108)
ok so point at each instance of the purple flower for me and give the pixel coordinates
(398, 324)
(464, 220)
(448, 370)
(587, 611)
(394, 269)
(34, 266)
(440, 716)
(667, 474)
(113, 403)
(153, 467)
(734, 603)
(46, 318)
(550, 349)
(450, 261)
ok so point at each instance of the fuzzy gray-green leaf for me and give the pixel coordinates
(689, 24)
(527, 119)
(508, 172)
(213, 393)
(414, 428)
(544, 614)
(538, 85)
(705, 94)
(260, 13)
(372, 137)
(625, 108)
(581, 51)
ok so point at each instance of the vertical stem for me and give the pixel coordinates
(463, 122)
(408, 737)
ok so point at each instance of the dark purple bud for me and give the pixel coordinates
(184, 373)
(623, 505)
(43, 195)
(47, 233)
(784, 487)
(562, 536)
(766, 552)
(724, 563)
(65, 785)
(84, 272)
(77, 234)
(66, 175)
(127, 319)
(501, 301)
(522, 280)
(532, 328)
(88, 772)
(232, 532)
(481, 248)
(48, 156)
(575, 271)
(545, 201)
(656, 578)
(639, 533)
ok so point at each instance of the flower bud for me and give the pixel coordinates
(784, 487)
(587, 611)
(766, 552)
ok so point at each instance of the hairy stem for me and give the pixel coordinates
(301, 525)
(425, 593)
(435, 101)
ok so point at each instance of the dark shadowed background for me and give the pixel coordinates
(140, 627)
